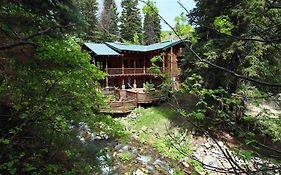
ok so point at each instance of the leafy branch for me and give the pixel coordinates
(25, 41)
(212, 64)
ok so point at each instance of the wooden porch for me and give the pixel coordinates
(128, 99)
(128, 71)
(120, 107)
(144, 97)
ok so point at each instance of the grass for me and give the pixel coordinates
(159, 120)
(125, 156)
(153, 116)
(154, 126)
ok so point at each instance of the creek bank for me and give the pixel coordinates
(137, 156)
(204, 149)
(130, 158)
(213, 157)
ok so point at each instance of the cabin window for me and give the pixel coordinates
(126, 64)
(109, 64)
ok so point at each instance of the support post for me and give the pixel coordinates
(106, 65)
(122, 66)
(171, 67)
(163, 63)
(106, 82)
(144, 65)
(134, 66)
(171, 61)
(106, 70)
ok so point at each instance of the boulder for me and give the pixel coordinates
(185, 165)
(144, 128)
(211, 161)
(139, 172)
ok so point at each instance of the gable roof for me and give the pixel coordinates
(115, 49)
(101, 49)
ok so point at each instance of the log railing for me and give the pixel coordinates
(146, 97)
(117, 71)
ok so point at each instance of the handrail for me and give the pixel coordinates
(117, 71)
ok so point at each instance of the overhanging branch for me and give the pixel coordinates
(210, 63)
(25, 41)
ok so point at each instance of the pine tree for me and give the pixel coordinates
(89, 9)
(109, 21)
(151, 25)
(130, 20)
(237, 40)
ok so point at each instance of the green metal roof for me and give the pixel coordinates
(163, 45)
(101, 49)
(112, 49)
(141, 48)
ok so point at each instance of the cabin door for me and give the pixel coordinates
(128, 82)
(128, 63)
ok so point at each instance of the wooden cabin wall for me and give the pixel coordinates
(171, 59)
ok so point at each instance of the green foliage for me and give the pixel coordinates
(154, 65)
(165, 35)
(213, 106)
(223, 24)
(105, 123)
(197, 165)
(88, 13)
(157, 58)
(130, 21)
(245, 155)
(161, 120)
(184, 29)
(136, 38)
(148, 86)
(229, 35)
(125, 156)
(165, 86)
(108, 24)
(151, 24)
(48, 94)
(24, 18)
(150, 8)
(159, 117)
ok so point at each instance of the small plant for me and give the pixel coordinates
(197, 165)
(148, 86)
(125, 156)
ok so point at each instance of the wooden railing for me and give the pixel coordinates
(117, 71)
(127, 104)
(146, 97)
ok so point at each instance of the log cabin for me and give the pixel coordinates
(127, 67)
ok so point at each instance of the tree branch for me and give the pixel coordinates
(210, 63)
(24, 41)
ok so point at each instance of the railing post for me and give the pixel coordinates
(106, 82)
(134, 66)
